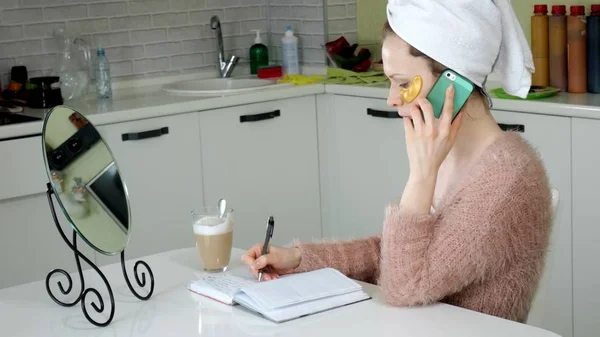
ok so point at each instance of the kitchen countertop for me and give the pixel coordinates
(150, 101)
(140, 100)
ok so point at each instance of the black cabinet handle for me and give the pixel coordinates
(512, 127)
(145, 134)
(260, 117)
(382, 114)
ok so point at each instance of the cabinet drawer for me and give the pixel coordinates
(30, 245)
(22, 171)
(159, 160)
(263, 158)
(363, 158)
(139, 133)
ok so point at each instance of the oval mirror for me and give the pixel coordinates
(86, 180)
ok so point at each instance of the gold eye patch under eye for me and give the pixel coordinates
(410, 94)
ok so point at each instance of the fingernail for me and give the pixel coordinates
(451, 88)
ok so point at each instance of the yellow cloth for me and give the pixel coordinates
(343, 76)
(336, 76)
(301, 79)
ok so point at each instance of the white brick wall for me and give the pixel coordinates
(156, 37)
(141, 37)
(341, 19)
(307, 20)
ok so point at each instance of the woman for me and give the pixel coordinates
(472, 225)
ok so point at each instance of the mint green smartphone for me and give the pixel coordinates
(463, 89)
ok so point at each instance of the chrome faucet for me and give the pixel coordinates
(225, 67)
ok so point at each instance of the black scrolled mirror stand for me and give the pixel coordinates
(142, 282)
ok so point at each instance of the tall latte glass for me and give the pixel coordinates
(214, 237)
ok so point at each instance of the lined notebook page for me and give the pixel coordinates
(296, 288)
(225, 284)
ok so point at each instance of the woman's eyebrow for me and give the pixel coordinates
(396, 75)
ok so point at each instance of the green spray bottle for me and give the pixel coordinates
(259, 54)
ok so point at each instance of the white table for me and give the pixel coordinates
(173, 311)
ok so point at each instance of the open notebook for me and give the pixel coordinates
(286, 298)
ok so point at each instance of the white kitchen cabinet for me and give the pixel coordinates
(550, 135)
(159, 160)
(30, 244)
(23, 158)
(586, 227)
(363, 163)
(263, 158)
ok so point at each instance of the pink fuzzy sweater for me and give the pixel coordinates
(482, 249)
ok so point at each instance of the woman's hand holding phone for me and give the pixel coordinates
(428, 142)
(428, 139)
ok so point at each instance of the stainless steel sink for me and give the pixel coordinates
(219, 86)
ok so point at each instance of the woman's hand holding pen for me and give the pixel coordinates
(278, 261)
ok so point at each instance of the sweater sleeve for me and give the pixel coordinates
(427, 258)
(357, 259)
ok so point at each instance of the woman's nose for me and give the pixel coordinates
(394, 99)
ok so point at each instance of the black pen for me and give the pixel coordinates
(265, 248)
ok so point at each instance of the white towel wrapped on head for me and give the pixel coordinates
(472, 37)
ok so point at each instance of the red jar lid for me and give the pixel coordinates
(577, 10)
(596, 9)
(540, 9)
(559, 10)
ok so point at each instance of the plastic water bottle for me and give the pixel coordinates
(103, 80)
(290, 52)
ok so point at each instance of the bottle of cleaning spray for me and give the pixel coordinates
(290, 52)
(259, 54)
